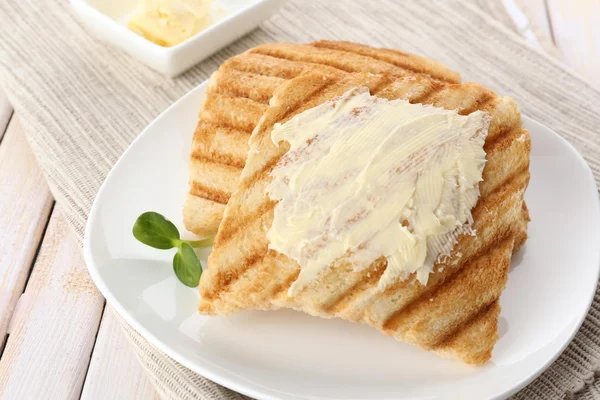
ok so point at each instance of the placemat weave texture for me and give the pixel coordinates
(82, 103)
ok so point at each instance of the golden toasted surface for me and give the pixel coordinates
(456, 313)
(239, 94)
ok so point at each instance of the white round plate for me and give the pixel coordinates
(290, 355)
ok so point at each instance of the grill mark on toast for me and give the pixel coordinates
(305, 100)
(218, 159)
(475, 94)
(216, 95)
(296, 54)
(225, 235)
(283, 72)
(234, 93)
(373, 273)
(380, 54)
(509, 181)
(224, 280)
(505, 137)
(428, 96)
(346, 298)
(511, 185)
(422, 99)
(446, 342)
(260, 174)
(279, 289)
(275, 53)
(393, 323)
(211, 194)
(212, 112)
(205, 128)
(246, 258)
(237, 86)
(247, 62)
(486, 97)
(448, 336)
(381, 86)
(246, 129)
(210, 135)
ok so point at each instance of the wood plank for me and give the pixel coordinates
(55, 324)
(576, 27)
(115, 372)
(25, 202)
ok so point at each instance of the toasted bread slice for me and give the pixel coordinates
(238, 94)
(455, 314)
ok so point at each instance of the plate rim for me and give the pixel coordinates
(267, 393)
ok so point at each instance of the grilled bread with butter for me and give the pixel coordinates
(455, 314)
(238, 94)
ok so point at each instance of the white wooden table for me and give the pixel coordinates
(58, 339)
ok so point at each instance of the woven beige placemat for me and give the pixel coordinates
(82, 103)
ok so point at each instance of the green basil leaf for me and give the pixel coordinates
(187, 266)
(156, 231)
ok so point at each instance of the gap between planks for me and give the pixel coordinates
(25, 202)
(114, 371)
(5, 113)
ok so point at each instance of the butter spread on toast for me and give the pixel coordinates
(367, 177)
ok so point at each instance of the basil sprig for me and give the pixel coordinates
(154, 230)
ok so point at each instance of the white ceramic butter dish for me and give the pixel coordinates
(231, 20)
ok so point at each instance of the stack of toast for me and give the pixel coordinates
(456, 313)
